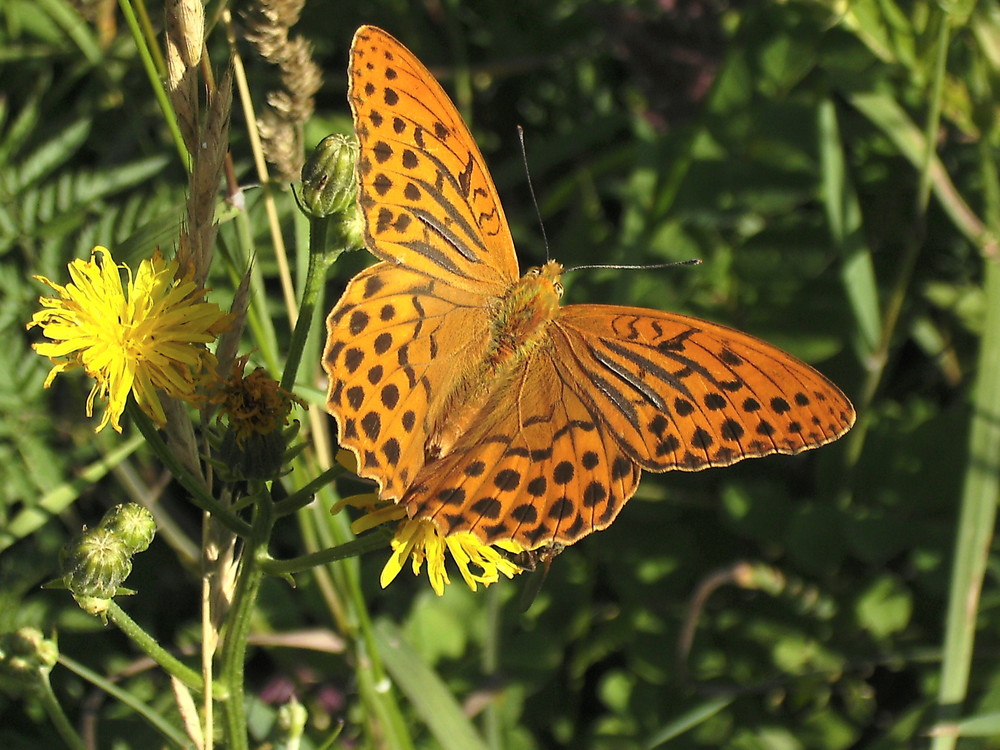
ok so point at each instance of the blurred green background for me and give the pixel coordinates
(785, 145)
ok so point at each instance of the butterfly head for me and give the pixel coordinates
(535, 298)
(547, 278)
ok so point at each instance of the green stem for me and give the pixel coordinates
(58, 717)
(234, 646)
(304, 495)
(319, 262)
(170, 663)
(155, 83)
(199, 494)
(368, 543)
(981, 489)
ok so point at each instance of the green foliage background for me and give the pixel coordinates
(784, 144)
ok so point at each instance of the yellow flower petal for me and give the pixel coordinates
(143, 338)
(420, 540)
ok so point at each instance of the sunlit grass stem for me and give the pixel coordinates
(981, 487)
(260, 164)
(155, 80)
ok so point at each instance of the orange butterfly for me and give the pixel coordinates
(467, 392)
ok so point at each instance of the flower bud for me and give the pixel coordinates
(132, 524)
(26, 657)
(329, 185)
(291, 722)
(95, 563)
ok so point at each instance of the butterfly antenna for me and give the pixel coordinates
(688, 262)
(531, 190)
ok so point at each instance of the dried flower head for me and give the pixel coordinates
(254, 404)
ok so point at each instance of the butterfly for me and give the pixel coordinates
(469, 394)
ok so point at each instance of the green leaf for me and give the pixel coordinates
(431, 698)
(51, 155)
(687, 721)
(884, 608)
(844, 217)
(58, 500)
(74, 25)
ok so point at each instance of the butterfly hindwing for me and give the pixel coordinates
(398, 342)
(539, 468)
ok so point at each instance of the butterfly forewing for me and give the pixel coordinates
(394, 354)
(428, 200)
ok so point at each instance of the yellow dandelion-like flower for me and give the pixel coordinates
(376, 512)
(420, 540)
(147, 337)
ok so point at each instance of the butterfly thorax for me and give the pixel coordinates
(520, 319)
(522, 315)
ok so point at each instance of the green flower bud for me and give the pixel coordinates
(329, 185)
(26, 658)
(95, 563)
(291, 723)
(132, 524)
(329, 195)
(349, 232)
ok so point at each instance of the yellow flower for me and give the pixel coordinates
(142, 339)
(376, 513)
(421, 540)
